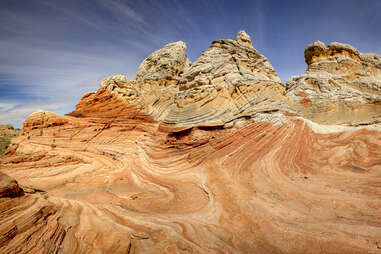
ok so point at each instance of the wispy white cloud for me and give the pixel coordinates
(4, 107)
(15, 113)
(44, 71)
(49, 57)
(54, 51)
(123, 10)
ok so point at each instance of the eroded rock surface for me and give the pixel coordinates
(230, 80)
(8, 186)
(166, 63)
(216, 158)
(341, 85)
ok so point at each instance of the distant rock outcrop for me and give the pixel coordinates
(340, 86)
(214, 156)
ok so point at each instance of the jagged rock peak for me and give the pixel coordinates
(166, 63)
(229, 61)
(243, 37)
(221, 84)
(217, 88)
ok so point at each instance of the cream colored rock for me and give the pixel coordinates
(243, 37)
(341, 85)
(166, 63)
(115, 78)
(229, 80)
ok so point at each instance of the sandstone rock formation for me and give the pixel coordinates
(208, 157)
(166, 63)
(340, 86)
(230, 80)
(8, 186)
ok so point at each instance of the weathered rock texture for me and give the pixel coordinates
(340, 86)
(230, 80)
(166, 63)
(215, 159)
(8, 186)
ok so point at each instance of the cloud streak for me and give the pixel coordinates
(51, 52)
(16, 113)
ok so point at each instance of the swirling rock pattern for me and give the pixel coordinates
(140, 168)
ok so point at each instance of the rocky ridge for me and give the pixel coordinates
(204, 157)
(230, 80)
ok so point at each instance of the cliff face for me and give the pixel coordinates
(215, 156)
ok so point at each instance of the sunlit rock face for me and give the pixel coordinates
(341, 85)
(206, 157)
(230, 80)
(166, 63)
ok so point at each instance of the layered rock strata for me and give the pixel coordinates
(207, 157)
(341, 85)
(230, 80)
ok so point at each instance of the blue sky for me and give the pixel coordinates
(53, 51)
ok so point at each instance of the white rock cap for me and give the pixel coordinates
(243, 37)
